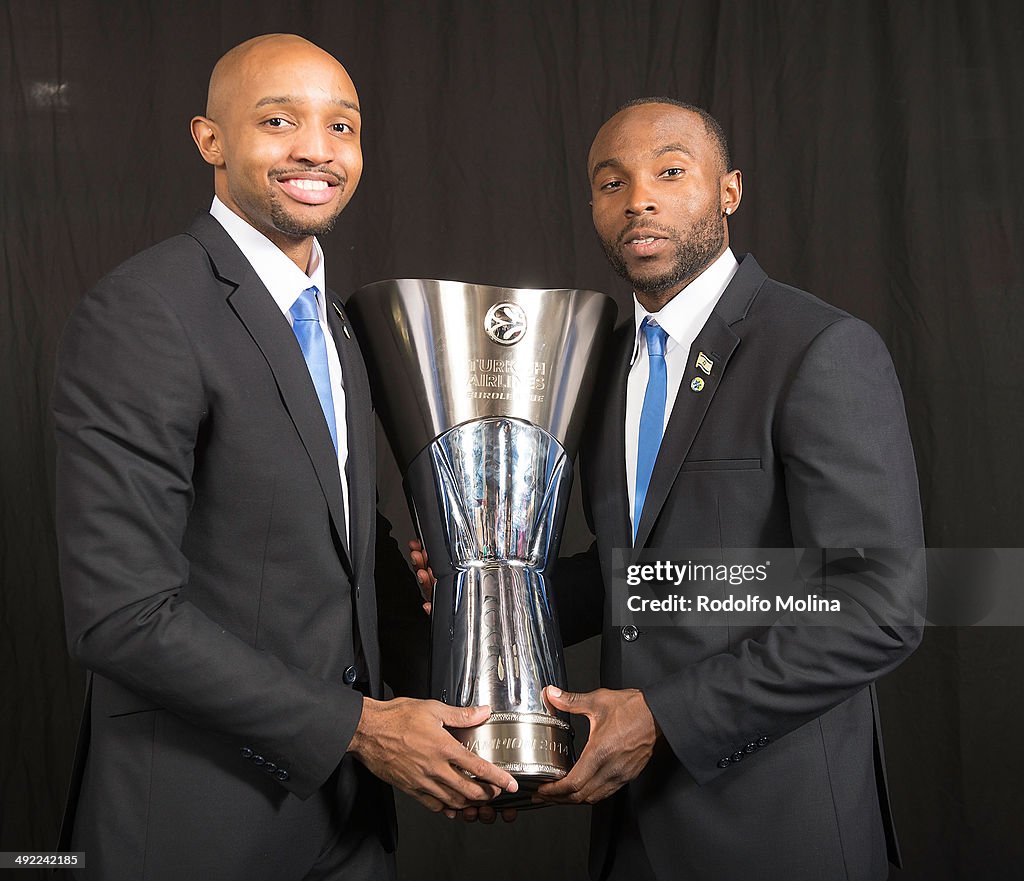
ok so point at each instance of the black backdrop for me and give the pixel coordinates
(879, 143)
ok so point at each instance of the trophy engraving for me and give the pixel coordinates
(482, 393)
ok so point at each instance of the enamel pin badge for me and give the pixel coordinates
(704, 363)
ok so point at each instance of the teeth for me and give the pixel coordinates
(304, 184)
(644, 241)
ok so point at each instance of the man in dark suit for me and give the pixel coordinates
(218, 530)
(738, 413)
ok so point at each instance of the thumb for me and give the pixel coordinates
(464, 717)
(570, 701)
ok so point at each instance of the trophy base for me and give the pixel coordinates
(533, 747)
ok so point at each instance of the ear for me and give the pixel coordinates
(731, 191)
(206, 134)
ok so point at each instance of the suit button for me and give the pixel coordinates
(737, 756)
(246, 752)
(762, 741)
(270, 767)
(630, 633)
(357, 591)
(750, 747)
(258, 760)
(349, 676)
(281, 774)
(724, 763)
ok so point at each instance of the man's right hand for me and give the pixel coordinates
(404, 742)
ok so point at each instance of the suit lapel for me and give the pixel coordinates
(613, 426)
(718, 341)
(361, 473)
(359, 466)
(256, 309)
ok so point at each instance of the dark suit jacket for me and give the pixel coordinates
(209, 583)
(771, 764)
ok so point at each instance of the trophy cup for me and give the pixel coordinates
(482, 393)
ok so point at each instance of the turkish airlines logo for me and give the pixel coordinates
(505, 323)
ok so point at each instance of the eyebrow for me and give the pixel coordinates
(661, 151)
(674, 148)
(604, 163)
(290, 99)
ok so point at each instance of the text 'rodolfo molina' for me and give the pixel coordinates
(748, 603)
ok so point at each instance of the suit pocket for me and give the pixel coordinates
(722, 465)
(112, 700)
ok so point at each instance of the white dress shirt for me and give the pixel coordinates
(286, 281)
(682, 319)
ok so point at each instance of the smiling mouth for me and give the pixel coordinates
(643, 240)
(310, 191)
(304, 184)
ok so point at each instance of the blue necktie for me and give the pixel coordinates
(306, 324)
(652, 416)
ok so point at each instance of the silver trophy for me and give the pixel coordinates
(482, 392)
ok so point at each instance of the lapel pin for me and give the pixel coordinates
(696, 384)
(341, 315)
(704, 363)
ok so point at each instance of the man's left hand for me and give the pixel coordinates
(622, 737)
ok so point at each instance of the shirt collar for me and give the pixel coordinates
(694, 302)
(279, 274)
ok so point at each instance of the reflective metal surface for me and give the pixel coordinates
(482, 393)
(437, 366)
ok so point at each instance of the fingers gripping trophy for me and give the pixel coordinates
(482, 392)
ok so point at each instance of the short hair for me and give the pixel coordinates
(712, 125)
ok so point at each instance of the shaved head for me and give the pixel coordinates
(237, 64)
(712, 125)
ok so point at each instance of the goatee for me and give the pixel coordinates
(292, 226)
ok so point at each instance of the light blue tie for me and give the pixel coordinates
(306, 324)
(652, 416)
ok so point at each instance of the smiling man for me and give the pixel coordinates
(738, 413)
(221, 557)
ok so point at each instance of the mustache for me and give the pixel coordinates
(647, 226)
(278, 173)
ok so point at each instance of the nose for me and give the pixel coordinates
(641, 200)
(313, 144)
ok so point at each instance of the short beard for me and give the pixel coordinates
(693, 255)
(293, 227)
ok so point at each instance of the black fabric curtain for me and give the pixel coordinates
(880, 145)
